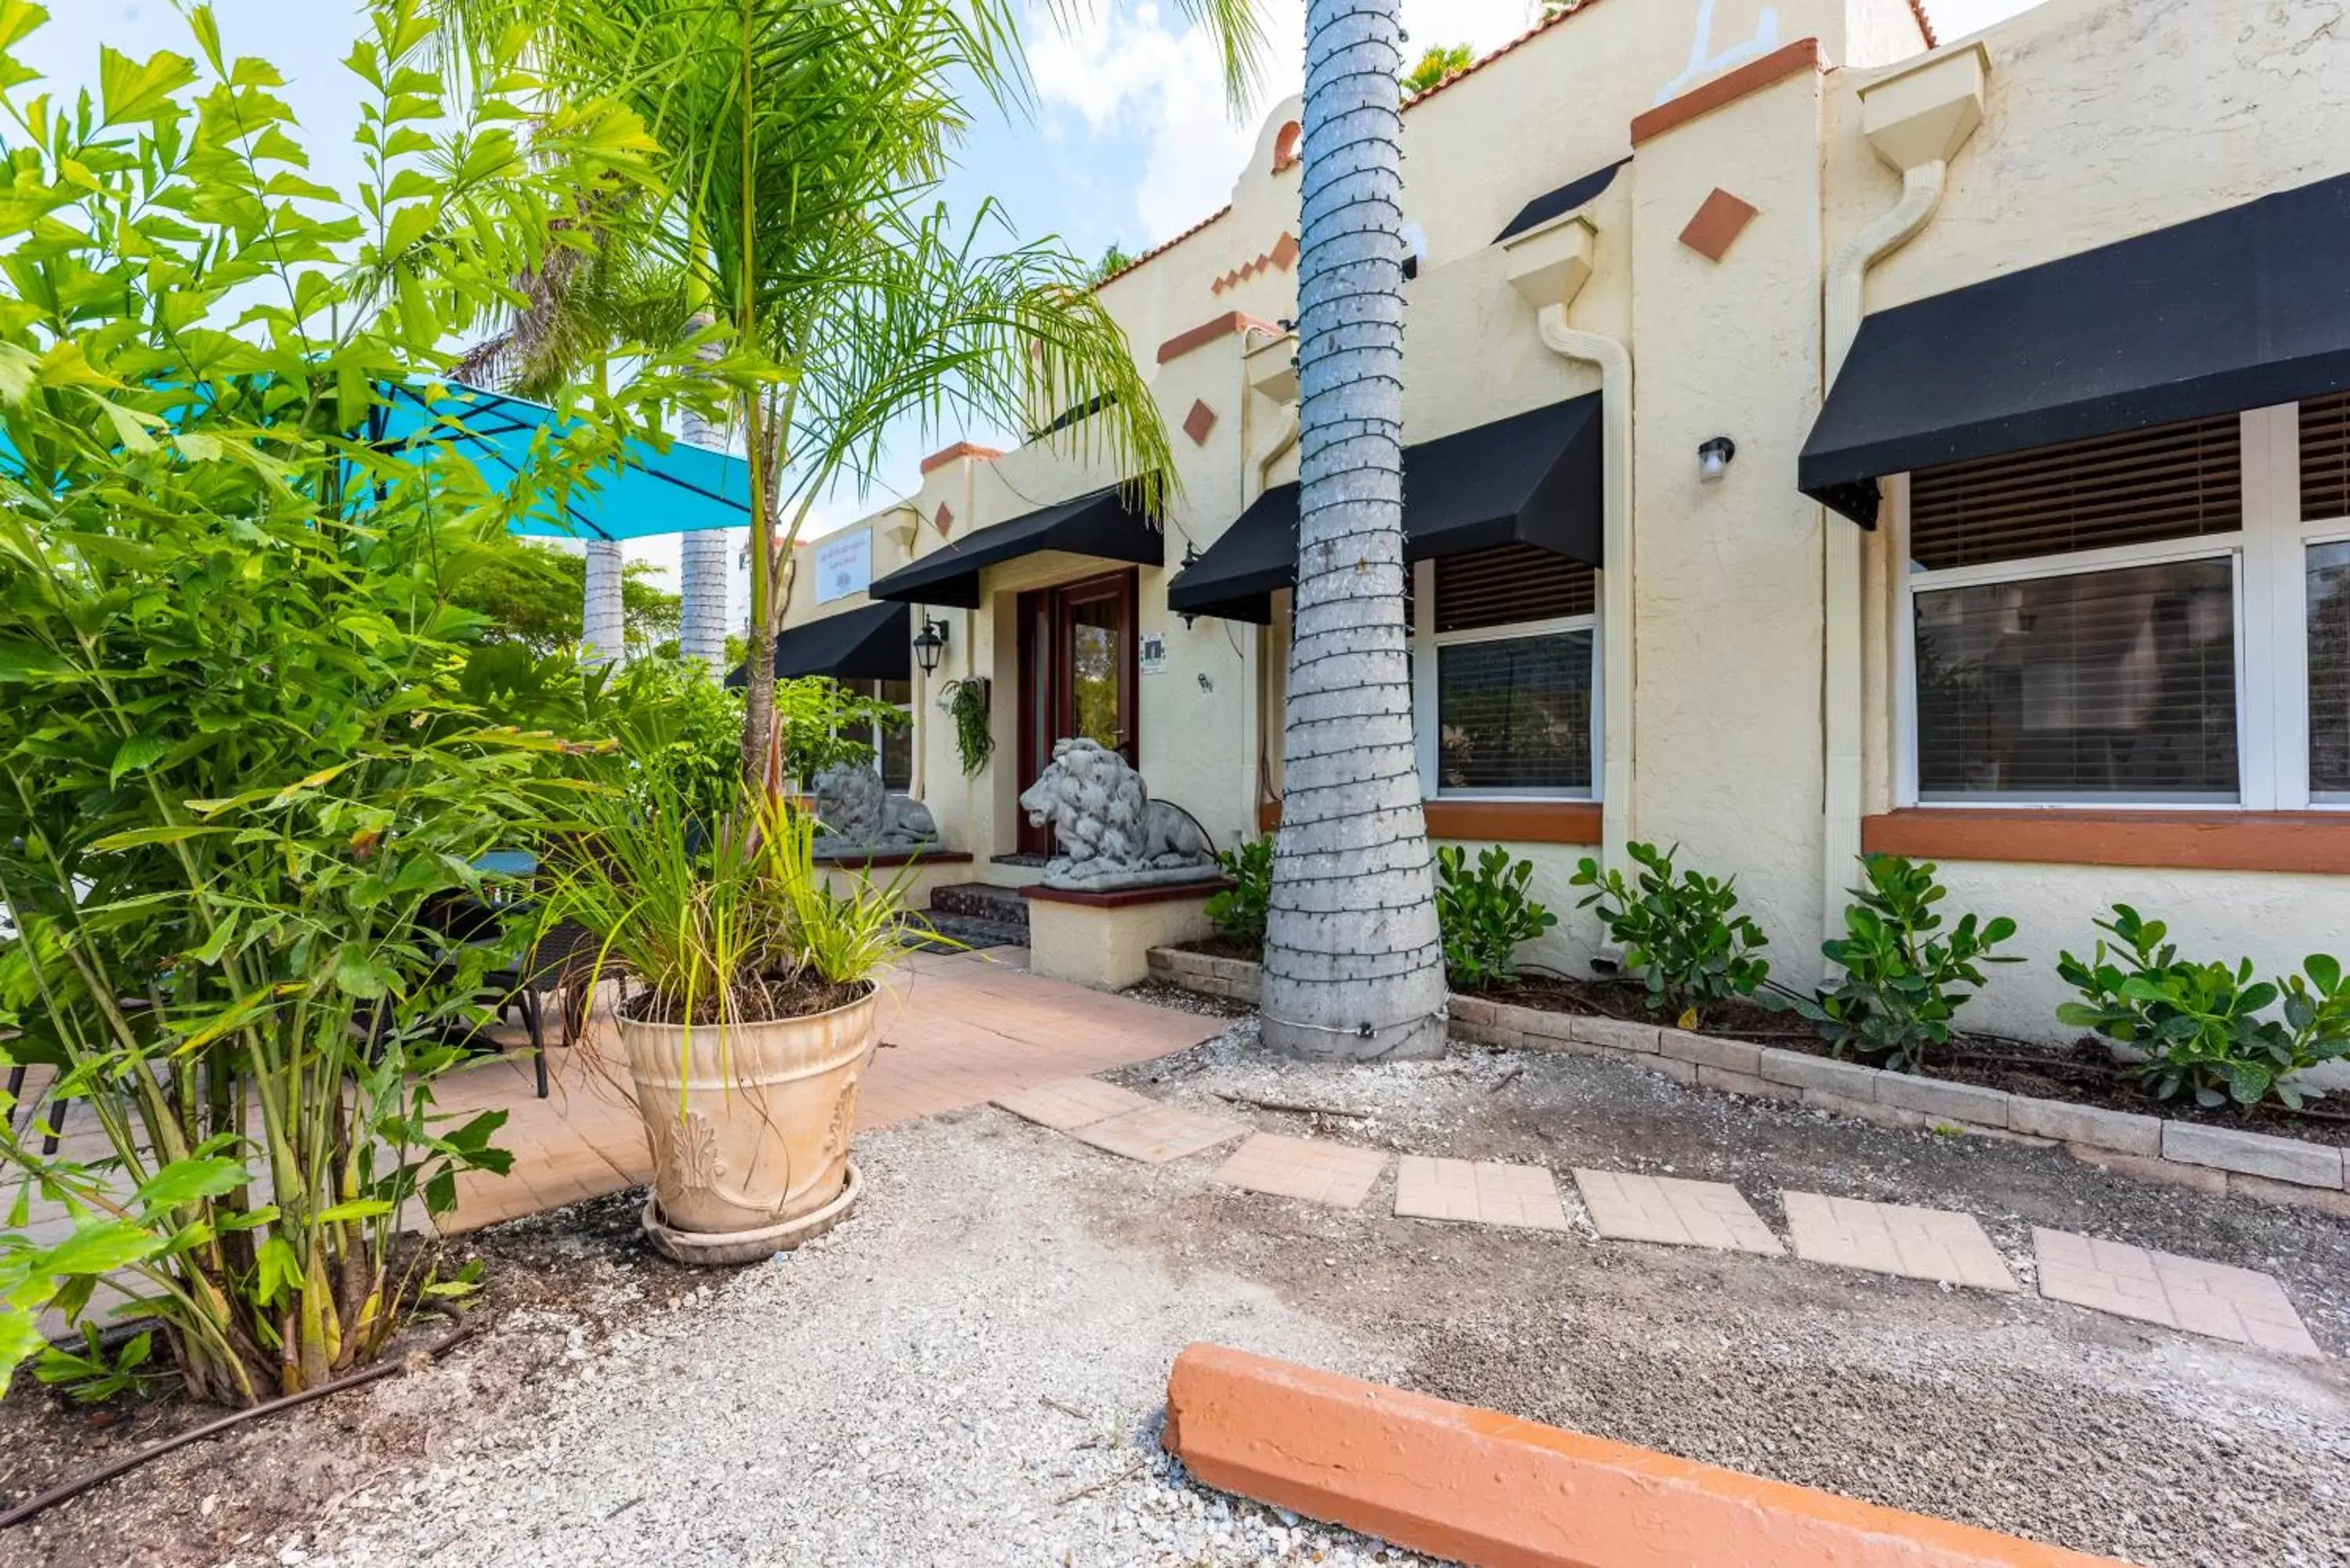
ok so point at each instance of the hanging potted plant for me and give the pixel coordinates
(747, 1017)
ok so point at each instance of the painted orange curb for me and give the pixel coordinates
(1492, 1490)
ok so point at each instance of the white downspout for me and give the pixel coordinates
(1616, 656)
(1915, 120)
(1844, 693)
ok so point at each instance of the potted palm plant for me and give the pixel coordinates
(747, 1013)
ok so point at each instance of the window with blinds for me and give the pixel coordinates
(2112, 685)
(1514, 712)
(1510, 585)
(2141, 487)
(2326, 458)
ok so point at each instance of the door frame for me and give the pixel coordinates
(1047, 677)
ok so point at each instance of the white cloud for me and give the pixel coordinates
(1136, 72)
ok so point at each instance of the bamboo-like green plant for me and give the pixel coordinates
(238, 756)
(801, 146)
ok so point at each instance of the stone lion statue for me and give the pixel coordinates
(858, 811)
(1112, 834)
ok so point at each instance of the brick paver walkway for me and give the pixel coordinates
(1160, 1133)
(1306, 1169)
(1475, 1193)
(957, 1030)
(2185, 1293)
(1066, 1103)
(1674, 1212)
(1895, 1239)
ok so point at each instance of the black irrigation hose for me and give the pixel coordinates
(67, 1491)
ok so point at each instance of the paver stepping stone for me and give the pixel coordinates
(1895, 1239)
(1304, 1167)
(1674, 1212)
(1156, 1134)
(2186, 1294)
(1067, 1103)
(1478, 1193)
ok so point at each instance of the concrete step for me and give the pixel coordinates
(981, 903)
(964, 934)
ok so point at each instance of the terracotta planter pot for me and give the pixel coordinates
(749, 1133)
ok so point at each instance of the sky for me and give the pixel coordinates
(1129, 140)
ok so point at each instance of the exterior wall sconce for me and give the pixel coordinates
(929, 644)
(1713, 459)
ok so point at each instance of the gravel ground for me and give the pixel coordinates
(962, 1375)
(972, 1370)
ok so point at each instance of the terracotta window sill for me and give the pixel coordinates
(2302, 841)
(1495, 821)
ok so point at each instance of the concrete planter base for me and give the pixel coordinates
(2145, 1147)
(1105, 940)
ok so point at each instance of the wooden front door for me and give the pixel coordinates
(1077, 677)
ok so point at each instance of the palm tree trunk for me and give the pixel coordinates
(604, 629)
(1353, 965)
(704, 580)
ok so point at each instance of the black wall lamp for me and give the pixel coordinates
(929, 644)
(1713, 459)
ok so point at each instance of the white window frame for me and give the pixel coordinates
(1427, 726)
(872, 689)
(2269, 558)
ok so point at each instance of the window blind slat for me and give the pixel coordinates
(2326, 458)
(2174, 481)
(1508, 585)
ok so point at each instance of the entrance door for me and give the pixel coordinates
(1077, 674)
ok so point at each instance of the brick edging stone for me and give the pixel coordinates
(2154, 1148)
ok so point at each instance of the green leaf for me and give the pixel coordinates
(28, 661)
(187, 1180)
(130, 91)
(100, 1247)
(136, 755)
(356, 1209)
(137, 838)
(20, 1332)
(2325, 971)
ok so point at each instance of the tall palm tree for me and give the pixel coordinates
(1354, 966)
(802, 141)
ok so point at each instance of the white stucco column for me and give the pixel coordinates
(603, 631)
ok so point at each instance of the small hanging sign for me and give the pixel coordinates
(1152, 655)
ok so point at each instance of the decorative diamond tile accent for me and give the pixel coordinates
(1199, 422)
(1306, 1169)
(1067, 1103)
(1478, 1194)
(1720, 220)
(1158, 1134)
(1285, 251)
(2211, 1299)
(946, 519)
(1895, 1239)
(1674, 1213)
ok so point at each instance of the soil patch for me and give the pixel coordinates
(1224, 947)
(760, 998)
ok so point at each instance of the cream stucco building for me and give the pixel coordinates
(2033, 557)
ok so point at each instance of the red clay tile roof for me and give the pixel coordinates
(1924, 24)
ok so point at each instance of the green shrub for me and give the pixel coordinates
(1680, 932)
(240, 762)
(1902, 983)
(1241, 910)
(1484, 915)
(2198, 1024)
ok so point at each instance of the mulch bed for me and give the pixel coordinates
(2080, 1072)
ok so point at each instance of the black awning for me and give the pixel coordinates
(871, 642)
(1533, 479)
(2243, 309)
(1104, 523)
(1559, 203)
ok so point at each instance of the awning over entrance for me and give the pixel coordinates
(871, 642)
(1532, 479)
(1102, 525)
(2243, 309)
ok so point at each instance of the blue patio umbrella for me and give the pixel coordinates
(685, 489)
